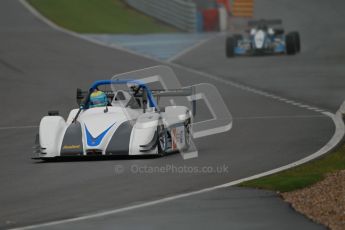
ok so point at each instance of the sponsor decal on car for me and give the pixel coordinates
(178, 137)
(71, 147)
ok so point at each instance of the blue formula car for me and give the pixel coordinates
(262, 38)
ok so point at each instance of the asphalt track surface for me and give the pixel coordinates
(40, 68)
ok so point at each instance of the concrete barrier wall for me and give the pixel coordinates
(179, 13)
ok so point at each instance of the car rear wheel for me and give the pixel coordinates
(188, 136)
(230, 47)
(290, 44)
(162, 140)
(297, 41)
(53, 113)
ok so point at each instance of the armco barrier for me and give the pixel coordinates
(179, 13)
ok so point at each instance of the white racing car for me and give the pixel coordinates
(263, 38)
(131, 124)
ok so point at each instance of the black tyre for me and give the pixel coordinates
(230, 47)
(290, 42)
(53, 113)
(188, 136)
(297, 41)
(237, 37)
(162, 140)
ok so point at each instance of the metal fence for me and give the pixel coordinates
(179, 13)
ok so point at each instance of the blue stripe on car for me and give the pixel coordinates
(239, 50)
(280, 48)
(94, 141)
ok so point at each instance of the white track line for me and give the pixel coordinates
(337, 137)
(207, 75)
(333, 142)
(58, 28)
(250, 89)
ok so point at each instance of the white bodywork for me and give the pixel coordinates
(107, 120)
(259, 39)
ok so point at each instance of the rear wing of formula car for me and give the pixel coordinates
(269, 22)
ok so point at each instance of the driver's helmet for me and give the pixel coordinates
(98, 99)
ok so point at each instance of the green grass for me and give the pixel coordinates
(301, 176)
(99, 16)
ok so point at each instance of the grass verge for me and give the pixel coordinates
(303, 175)
(99, 16)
